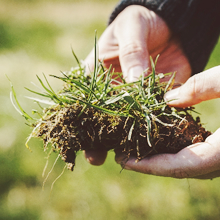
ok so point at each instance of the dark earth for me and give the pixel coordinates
(93, 129)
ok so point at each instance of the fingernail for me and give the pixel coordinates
(134, 74)
(172, 95)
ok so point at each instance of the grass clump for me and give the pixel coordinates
(102, 111)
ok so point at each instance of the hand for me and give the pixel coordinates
(200, 160)
(136, 34)
(132, 37)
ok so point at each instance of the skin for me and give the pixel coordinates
(132, 37)
(127, 43)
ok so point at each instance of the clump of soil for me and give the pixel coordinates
(95, 129)
(102, 111)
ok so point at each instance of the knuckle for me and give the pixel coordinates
(131, 49)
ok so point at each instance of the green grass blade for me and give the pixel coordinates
(43, 101)
(131, 101)
(53, 95)
(108, 111)
(46, 89)
(78, 84)
(123, 85)
(101, 77)
(170, 82)
(38, 93)
(77, 60)
(107, 82)
(152, 83)
(94, 75)
(114, 99)
(19, 109)
(48, 83)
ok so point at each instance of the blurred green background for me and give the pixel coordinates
(36, 36)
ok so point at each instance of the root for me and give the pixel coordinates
(45, 180)
(51, 188)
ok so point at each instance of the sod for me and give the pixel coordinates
(102, 111)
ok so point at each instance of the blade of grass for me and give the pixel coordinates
(94, 75)
(170, 82)
(107, 82)
(43, 101)
(116, 98)
(78, 84)
(53, 95)
(128, 84)
(131, 101)
(19, 109)
(38, 93)
(111, 112)
(77, 60)
(48, 83)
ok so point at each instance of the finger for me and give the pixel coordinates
(210, 175)
(95, 157)
(140, 32)
(131, 31)
(200, 87)
(200, 159)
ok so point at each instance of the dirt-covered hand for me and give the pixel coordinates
(136, 34)
(200, 160)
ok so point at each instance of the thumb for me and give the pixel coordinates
(201, 87)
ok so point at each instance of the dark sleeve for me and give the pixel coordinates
(195, 22)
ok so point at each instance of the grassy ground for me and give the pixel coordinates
(37, 36)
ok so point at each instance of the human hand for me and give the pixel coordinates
(136, 34)
(200, 160)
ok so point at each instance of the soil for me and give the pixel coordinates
(131, 117)
(69, 133)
